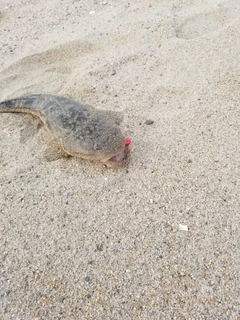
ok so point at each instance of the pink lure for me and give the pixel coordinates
(127, 142)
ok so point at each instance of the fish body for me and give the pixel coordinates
(82, 131)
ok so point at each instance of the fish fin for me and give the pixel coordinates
(54, 151)
(29, 130)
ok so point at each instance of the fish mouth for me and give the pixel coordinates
(116, 158)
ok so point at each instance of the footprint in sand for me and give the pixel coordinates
(198, 25)
(47, 70)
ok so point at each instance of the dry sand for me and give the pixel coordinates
(81, 241)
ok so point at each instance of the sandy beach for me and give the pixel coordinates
(157, 237)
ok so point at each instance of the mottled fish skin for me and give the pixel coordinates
(81, 130)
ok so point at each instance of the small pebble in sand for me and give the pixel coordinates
(148, 122)
(87, 278)
(183, 227)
